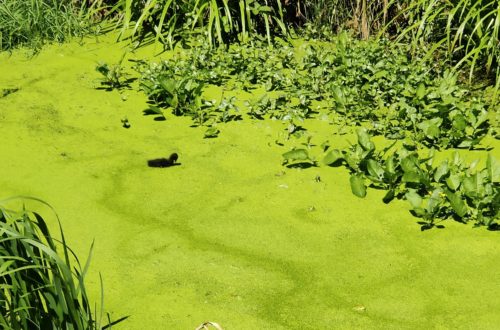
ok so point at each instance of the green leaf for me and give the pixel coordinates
(375, 169)
(441, 171)
(411, 177)
(453, 181)
(473, 185)
(296, 154)
(421, 91)
(167, 84)
(358, 187)
(364, 139)
(380, 74)
(352, 160)
(408, 164)
(493, 168)
(459, 122)
(414, 198)
(431, 127)
(211, 132)
(434, 201)
(390, 165)
(457, 203)
(332, 157)
(389, 196)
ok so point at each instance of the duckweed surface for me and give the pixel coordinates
(230, 235)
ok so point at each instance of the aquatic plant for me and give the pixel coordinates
(35, 22)
(40, 287)
(452, 189)
(221, 21)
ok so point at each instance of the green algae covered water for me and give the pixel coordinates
(230, 235)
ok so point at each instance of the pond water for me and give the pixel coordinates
(230, 235)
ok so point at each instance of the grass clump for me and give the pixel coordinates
(33, 23)
(39, 287)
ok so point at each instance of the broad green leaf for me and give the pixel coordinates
(431, 127)
(296, 154)
(434, 201)
(457, 203)
(154, 109)
(421, 91)
(408, 164)
(414, 198)
(352, 160)
(375, 169)
(380, 74)
(211, 132)
(411, 177)
(338, 95)
(453, 182)
(473, 185)
(358, 187)
(364, 139)
(481, 118)
(333, 156)
(390, 166)
(433, 131)
(459, 122)
(441, 171)
(167, 84)
(389, 196)
(493, 168)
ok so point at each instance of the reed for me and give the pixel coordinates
(41, 278)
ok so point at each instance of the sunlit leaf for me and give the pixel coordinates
(358, 187)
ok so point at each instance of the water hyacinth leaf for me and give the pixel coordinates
(408, 164)
(493, 168)
(352, 160)
(441, 171)
(364, 139)
(411, 177)
(481, 118)
(453, 182)
(434, 201)
(211, 132)
(296, 154)
(152, 109)
(375, 169)
(421, 91)
(457, 203)
(390, 165)
(431, 127)
(459, 122)
(414, 198)
(389, 196)
(167, 84)
(473, 185)
(358, 187)
(333, 157)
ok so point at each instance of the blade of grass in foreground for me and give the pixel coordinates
(39, 287)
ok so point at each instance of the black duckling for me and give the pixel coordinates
(164, 162)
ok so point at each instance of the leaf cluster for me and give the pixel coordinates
(377, 84)
(450, 189)
(113, 76)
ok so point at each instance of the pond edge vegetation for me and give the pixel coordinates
(39, 286)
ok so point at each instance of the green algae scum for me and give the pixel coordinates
(249, 165)
(231, 236)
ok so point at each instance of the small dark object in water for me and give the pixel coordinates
(164, 162)
(125, 123)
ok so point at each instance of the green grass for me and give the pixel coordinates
(39, 287)
(33, 23)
